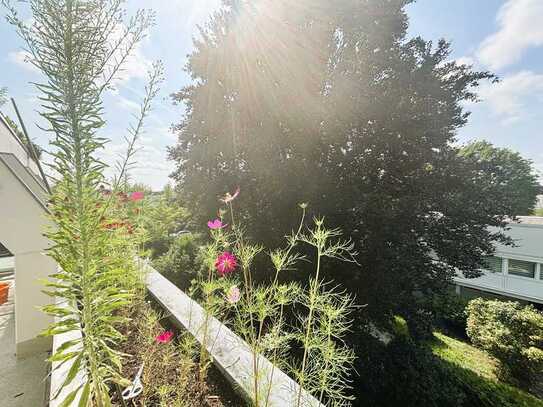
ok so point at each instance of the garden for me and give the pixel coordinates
(292, 261)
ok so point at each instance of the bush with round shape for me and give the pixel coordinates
(511, 332)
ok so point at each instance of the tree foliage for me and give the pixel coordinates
(330, 103)
(511, 174)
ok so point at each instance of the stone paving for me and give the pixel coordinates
(22, 381)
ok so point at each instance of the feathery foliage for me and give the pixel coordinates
(261, 311)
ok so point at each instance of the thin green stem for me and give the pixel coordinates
(326, 364)
(309, 322)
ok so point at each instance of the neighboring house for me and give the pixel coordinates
(539, 204)
(23, 209)
(515, 272)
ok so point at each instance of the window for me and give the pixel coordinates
(522, 268)
(493, 264)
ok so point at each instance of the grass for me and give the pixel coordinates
(478, 371)
(459, 352)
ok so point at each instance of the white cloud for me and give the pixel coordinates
(191, 13)
(465, 60)
(22, 58)
(509, 98)
(136, 65)
(127, 104)
(520, 27)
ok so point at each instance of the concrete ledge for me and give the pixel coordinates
(230, 353)
(59, 372)
(32, 347)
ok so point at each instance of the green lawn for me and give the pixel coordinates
(478, 370)
(464, 354)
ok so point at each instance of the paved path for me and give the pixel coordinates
(21, 380)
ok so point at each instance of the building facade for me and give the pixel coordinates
(515, 272)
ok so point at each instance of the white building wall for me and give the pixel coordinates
(23, 221)
(528, 237)
(10, 143)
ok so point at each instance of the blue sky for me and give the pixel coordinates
(504, 36)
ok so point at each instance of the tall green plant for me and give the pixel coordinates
(75, 44)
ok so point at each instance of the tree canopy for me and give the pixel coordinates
(510, 173)
(334, 105)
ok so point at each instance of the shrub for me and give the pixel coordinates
(164, 221)
(450, 308)
(182, 261)
(510, 332)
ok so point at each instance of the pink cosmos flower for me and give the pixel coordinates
(229, 198)
(164, 337)
(136, 196)
(233, 295)
(226, 263)
(216, 224)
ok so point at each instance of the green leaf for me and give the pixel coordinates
(84, 400)
(67, 402)
(74, 370)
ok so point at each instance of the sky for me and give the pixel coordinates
(503, 36)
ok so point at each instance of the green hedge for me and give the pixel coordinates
(510, 332)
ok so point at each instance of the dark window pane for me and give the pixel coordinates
(493, 264)
(522, 268)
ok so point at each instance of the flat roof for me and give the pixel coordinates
(530, 220)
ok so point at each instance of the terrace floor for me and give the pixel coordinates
(22, 381)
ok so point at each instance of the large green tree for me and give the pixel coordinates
(331, 103)
(510, 173)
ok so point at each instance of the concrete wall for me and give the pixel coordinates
(22, 223)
